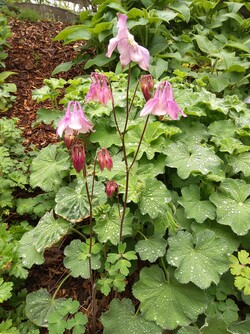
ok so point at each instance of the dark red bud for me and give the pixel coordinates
(147, 86)
(111, 188)
(104, 159)
(78, 156)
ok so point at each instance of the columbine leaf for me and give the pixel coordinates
(233, 207)
(194, 159)
(72, 201)
(49, 168)
(108, 225)
(5, 290)
(77, 258)
(151, 248)
(6, 328)
(154, 198)
(201, 259)
(158, 297)
(47, 232)
(39, 305)
(194, 207)
(121, 319)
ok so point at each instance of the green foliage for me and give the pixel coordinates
(205, 41)
(28, 14)
(240, 268)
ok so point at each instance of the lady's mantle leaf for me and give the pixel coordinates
(194, 207)
(154, 198)
(47, 232)
(240, 163)
(5, 290)
(151, 248)
(39, 305)
(201, 259)
(169, 304)
(108, 225)
(72, 201)
(49, 168)
(196, 158)
(154, 139)
(77, 258)
(121, 319)
(233, 205)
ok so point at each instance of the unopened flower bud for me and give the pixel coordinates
(111, 188)
(147, 86)
(104, 159)
(68, 140)
(78, 156)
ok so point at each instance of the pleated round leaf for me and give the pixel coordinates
(194, 159)
(49, 168)
(72, 201)
(154, 198)
(200, 259)
(47, 232)
(169, 304)
(39, 305)
(196, 208)
(121, 319)
(233, 205)
(151, 248)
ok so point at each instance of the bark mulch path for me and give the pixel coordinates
(33, 55)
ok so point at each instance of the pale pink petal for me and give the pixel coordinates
(149, 107)
(112, 45)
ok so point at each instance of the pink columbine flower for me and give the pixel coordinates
(78, 156)
(99, 89)
(147, 86)
(104, 159)
(74, 121)
(162, 103)
(111, 188)
(128, 48)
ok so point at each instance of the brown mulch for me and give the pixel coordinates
(33, 55)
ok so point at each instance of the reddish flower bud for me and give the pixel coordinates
(104, 159)
(147, 86)
(111, 188)
(78, 156)
(68, 140)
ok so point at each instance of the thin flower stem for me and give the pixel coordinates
(90, 247)
(93, 180)
(59, 286)
(139, 144)
(114, 113)
(127, 100)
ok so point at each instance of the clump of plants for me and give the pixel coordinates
(6, 89)
(151, 187)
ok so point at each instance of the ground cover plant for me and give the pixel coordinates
(205, 41)
(149, 192)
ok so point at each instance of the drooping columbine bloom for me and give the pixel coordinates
(111, 188)
(104, 159)
(78, 156)
(99, 89)
(74, 121)
(163, 103)
(147, 86)
(128, 48)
